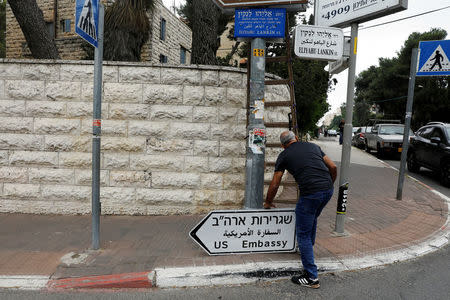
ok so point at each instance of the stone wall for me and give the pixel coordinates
(69, 44)
(173, 138)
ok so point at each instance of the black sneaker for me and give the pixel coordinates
(304, 280)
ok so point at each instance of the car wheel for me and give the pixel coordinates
(445, 173)
(366, 147)
(380, 153)
(412, 164)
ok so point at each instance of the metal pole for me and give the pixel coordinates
(96, 132)
(254, 179)
(347, 139)
(409, 105)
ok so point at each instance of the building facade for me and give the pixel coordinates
(170, 39)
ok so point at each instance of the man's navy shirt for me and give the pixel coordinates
(305, 162)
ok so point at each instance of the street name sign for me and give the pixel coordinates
(434, 58)
(290, 5)
(246, 231)
(319, 43)
(341, 13)
(86, 20)
(260, 22)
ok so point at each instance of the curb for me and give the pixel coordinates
(25, 282)
(124, 280)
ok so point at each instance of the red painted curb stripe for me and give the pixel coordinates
(125, 280)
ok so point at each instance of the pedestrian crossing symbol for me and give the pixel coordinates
(86, 20)
(433, 58)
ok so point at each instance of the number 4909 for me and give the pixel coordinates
(335, 12)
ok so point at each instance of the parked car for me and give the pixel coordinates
(430, 148)
(385, 138)
(332, 132)
(359, 138)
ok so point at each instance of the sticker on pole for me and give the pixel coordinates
(246, 231)
(86, 20)
(434, 58)
(342, 199)
(257, 140)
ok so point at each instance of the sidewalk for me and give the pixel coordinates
(38, 251)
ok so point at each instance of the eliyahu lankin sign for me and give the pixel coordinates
(319, 43)
(341, 13)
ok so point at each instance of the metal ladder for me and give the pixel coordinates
(290, 188)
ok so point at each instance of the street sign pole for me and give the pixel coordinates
(96, 132)
(346, 145)
(409, 106)
(254, 175)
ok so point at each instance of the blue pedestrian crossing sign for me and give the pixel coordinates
(86, 20)
(434, 58)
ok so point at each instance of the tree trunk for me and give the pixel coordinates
(205, 41)
(31, 21)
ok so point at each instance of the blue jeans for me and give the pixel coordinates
(307, 211)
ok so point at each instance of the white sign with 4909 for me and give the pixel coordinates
(341, 13)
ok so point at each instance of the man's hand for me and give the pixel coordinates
(268, 205)
(273, 188)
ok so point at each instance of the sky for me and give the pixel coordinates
(383, 41)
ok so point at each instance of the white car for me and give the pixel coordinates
(332, 132)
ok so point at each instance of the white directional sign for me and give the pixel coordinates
(246, 231)
(434, 58)
(86, 20)
(341, 13)
(319, 43)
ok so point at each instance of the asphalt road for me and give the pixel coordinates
(427, 277)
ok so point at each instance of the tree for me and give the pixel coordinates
(207, 24)
(31, 21)
(127, 29)
(386, 86)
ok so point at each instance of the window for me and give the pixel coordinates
(437, 132)
(425, 133)
(182, 55)
(65, 25)
(162, 58)
(162, 34)
(50, 28)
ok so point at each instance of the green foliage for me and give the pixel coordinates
(3, 28)
(127, 29)
(386, 86)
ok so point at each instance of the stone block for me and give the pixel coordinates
(12, 108)
(171, 112)
(190, 130)
(115, 144)
(110, 74)
(196, 164)
(210, 78)
(123, 92)
(233, 181)
(13, 175)
(84, 177)
(177, 146)
(84, 109)
(163, 94)
(116, 161)
(157, 162)
(10, 71)
(214, 95)
(72, 73)
(236, 149)
(21, 191)
(228, 114)
(205, 197)
(193, 95)
(68, 143)
(220, 164)
(206, 148)
(109, 127)
(56, 126)
(230, 79)
(238, 165)
(66, 192)
(4, 157)
(45, 109)
(21, 141)
(44, 175)
(128, 111)
(147, 128)
(211, 181)
(205, 114)
(24, 90)
(75, 160)
(16, 125)
(40, 72)
(27, 158)
(87, 92)
(179, 76)
(130, 178)
(235, 97)
(63, 91)
(227, 132)
(226, 197)
(140, 74)
(175, 180)
(165, 197)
